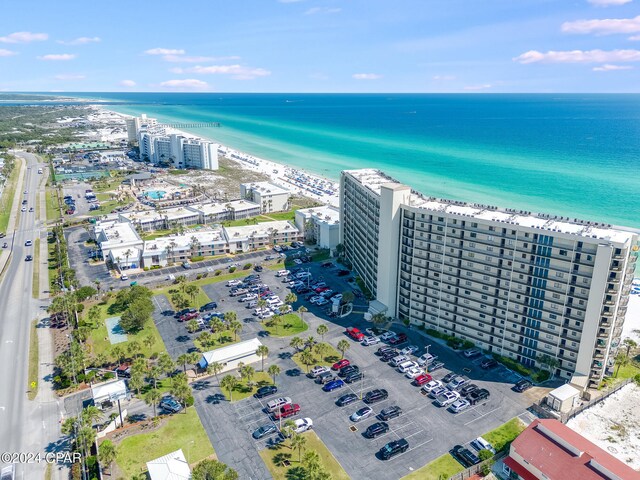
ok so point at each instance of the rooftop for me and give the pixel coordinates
(260, 229)
(214, 208)
(180, 242)
(374, 179)
(221, 355)
(109, 390)
(266, 187)
(117, 233)
(172, 466)
(326, 213)
(557, 451)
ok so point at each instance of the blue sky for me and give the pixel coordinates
(321, 45)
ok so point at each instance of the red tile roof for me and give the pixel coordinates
(519, 469)
(577, 459)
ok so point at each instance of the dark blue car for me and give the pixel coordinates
(333, 385)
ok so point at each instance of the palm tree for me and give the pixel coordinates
(322, 330)
(183, 359)
(298, 442)
(154, 373)
(217, 325)
(309, 342)
(127, 254)
(274, 371)
(229, 382)
(192, 291)
(347, 297)
(379, 319)
(90, 415)
(343, 346)
(166, 364)
(622, 360)
(236, 327)
(322, 349)
(301, 310)
(152, 397)
(306, 358)
(149, 341)
(262, 351)
(133, 348)
(247, 372)
(297, 343)
(290, 298)
(193, 325)
(194, 359)
(629, 343)
(107, 453)
(215, 368)
(230, 317)
(262, 303)
(118, 353)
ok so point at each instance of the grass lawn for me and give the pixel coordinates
(105, 207)
(242, 390)
(290, 324)
(273, 457)
(270, 217)
(182, 430)
(200, 299)
(35, 286)
(53, 212)
(329, 359)
(502, 436)
(105, 184)
(8, 194)
(222, 339)
(99, 340)
(628, 371)
(32, 387)
(155, 234)
(442, 467)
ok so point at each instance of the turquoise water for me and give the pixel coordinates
(575, 155)
(155, 194)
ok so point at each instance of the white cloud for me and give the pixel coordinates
(165, 51)
(366, 76)
(24, 37)
(69, 76)
(443, 78)
(635, 38)
(7, 53)
(608, 3)
(238, 72)
(319, 10)
(185, 59)
(80, 41)
(186, 84)
(57, 57)
(607, 67)
(605, 26)
(127, 83)
(475, 88)
(579, 56)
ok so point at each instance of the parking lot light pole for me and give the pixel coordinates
(362, 384)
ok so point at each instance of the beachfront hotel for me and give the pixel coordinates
(515, 283)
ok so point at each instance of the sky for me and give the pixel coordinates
(321, 46)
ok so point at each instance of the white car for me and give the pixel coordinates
(370, 340)
(410, 350)
(327, 293)
(432, 385)
(472, 352)
(296, 284)
(319, 285)
(364, 412)
(337, 298)
(302, 425)
(317, 370)
(387, 336)
(315, 299)
(481, 444)
(124, 277)
(322, 301)
(260, 311)
(437, 391)
(249, 297)
(273, 405)
(406, 366)
(23, 209)
(297, 261)
(303, 275)
(267, 314)
(447, 398)
(234, 283)
(426, 359)
(459, 405)
(282, 273)
(413, 372)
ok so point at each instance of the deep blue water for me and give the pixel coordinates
(576, 155)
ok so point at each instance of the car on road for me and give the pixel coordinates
(489, 363)
(468, 388)
(170, 404)
(478, 396)
(361, 414)
(370, 341)
(23, 209)
(390, 412)
(31, 209)
(459, 405)
(317, 370)
(465, 456)
(431, 385)
(264, 430)
(472, 352)
(333, 385)
(28, 243)
(286, 411)
(348, 370)
(376, 429)
(355, 333)
(301, 425)
(376, 395)
(208, 306)
(28, 258)
(347, 399)
(394, 448)
(398, 339)
(277, 403)
(522, 385)
(340, 364)
(447, 398)
(422, 379)
(266, 391)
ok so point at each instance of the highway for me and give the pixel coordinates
(25, 426)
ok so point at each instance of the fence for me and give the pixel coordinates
(471, 471)
(565, 417)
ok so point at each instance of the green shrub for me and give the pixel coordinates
(246, 266)
(468, 344)
(540, 376)
(232, 269)
(513, 365)
(217, 272)
(198, 276)
(197, 258)
(146, 269)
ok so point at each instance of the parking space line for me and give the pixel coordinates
(483, 415)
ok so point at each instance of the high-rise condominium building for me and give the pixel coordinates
(517, 284)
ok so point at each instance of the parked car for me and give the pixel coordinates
(333, 385)
(457, 382)
(481, 444)
(413, 372)
(410, 350)
(286, 411)
(361, 414)
(340, 364)
(522, 385)
(390, 412)
(209, 306)
(468, 388)
(387, 336)
(342, 273)
(489, 363)
(472, 352)
(435, 366)
(266, 391)
(234, 283)
(370, 341)
(324, 378)
(302, 425)
(277, 403)
(384, 349)
(422, 379)
(389, 355)
(431, 385)
(394, 448)
(375, 395)
(448, 377)
(28, 243)
(447, 398)
(184, 311)
(322, 301)
(465, 456)
(398, 339)
(347, 399)
(426, 359)
(317, 370)
(354, 377)
(437, 391)
(264, 430)
(170, 404)
(399, 360)
(283, 273)
(348, 370)
(478, 396)
(258, 268)
(376, 429)
(459, 405)
(239, 291)
(354, 333)
(188, 316)
(404, 367)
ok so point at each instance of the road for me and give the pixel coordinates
(25, 426)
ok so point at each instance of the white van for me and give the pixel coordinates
(274, 301)
(282, 273)
(303, 275)
(400, 359)
(278, 403)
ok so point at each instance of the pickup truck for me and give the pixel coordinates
(287, 411)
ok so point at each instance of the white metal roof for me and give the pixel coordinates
(109, 389)
(224, 354)
(172, 466)
(565, 392)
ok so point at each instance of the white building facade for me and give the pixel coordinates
(517, 284)
(320, 225)
(270, 197)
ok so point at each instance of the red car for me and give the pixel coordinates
(356, 334)
(398, 339)
(422, 379)
(188, 316)
(340, 364)
(321, 289)
(287, 411)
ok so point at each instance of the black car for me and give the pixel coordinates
(258, 268)
(467, 389)
(302, 290)
(389, 355)
(327, 265)
(390, 412)
(478, 396)
(266, 391)
(264, 430)
(346, 399)
(348, 370)
(375, 395)
(376, 429)
(489, 363)
(465, 456)
(184, 311)
(28, 258)
(324, 377)
(209, 306)
(385, 349)
(522, 385)
(394, 448)
(170, 404)
(448, 377)
(342, 273)
(353, 377)
(435, 366)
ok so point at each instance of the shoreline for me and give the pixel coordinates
(298, 181)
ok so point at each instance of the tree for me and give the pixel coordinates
(236, 328)
(166, 363)
(230, 317)
(262, 351)
(322, 349)
(262, 303)
(550, 362)
(118, 353)
(629, 343)
(90, 415)
(322, 330)
(217, 325)
(193, 325)
(152, 397)
(298, 442)
(229, 382)
(182, 282)
(183, 360)
(343, 346)
(213, 470)
(347, 297)
(290, 298)
(306, 357)
(136, 315)
(194, 359)
(133, 348)
(311, 463)
(485, 454)
(309, 342)
(276, 320)
(180, 389)
(215, 368)
(85, 292)
(154, 374)
(274, 371)
(247, 372)
(136, 382)
(206, 339)
(301, 310)
(192, 291)
(379, 319)
(297, 343)
(107, 453)
(622, 360)
(149, 341)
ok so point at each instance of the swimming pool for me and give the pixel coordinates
(155, 194)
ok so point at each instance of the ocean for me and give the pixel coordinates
(575, 155)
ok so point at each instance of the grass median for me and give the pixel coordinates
(289, 324)
(35, 286)
(53, 211)
(245, 389)
(34, 360)
(442, 467)
(331, 356)
(506, 433)
(8, 196)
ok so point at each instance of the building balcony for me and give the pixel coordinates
(607, 314)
